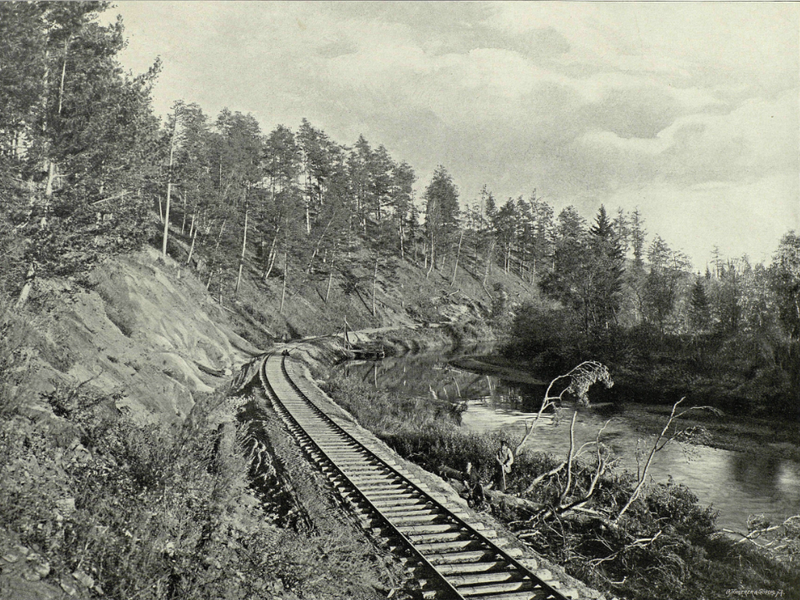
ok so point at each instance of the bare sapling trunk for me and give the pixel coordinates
(271, 257)
(374, 286)
(660, 442)
(191, 248)
(285, 276)
(169, 185)
(241, 258)
(433, 257)
(568, 484)
(488, 265)
(581, 378)
(183, 223)
(51, 167)
(330, 281)
(458, 255)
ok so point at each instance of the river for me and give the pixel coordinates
(736, 484)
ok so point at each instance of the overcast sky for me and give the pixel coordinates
(688, 111)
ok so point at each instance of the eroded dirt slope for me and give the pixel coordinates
(144, 331)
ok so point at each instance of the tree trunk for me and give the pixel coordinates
(241, 258)
(166, 222)
(489, 252)
(271, 258)
(51, 167)
(285, 275)
(458, 255)
(183, 224)
(433, 256)
(374, 286)
(191, 248)
(169, 184)
(26, 289)
(330, 281)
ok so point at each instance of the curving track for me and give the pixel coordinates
(459, 561)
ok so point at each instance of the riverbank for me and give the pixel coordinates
(666, 546)
(774, 438)
(314, 359)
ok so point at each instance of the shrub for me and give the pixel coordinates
(666, 547)
(157, 512)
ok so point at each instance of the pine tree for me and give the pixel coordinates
(638, 237)
(785, 282)
(570, 280)
(441, 213)
(608, 270)
(90, 139)
(699, 308)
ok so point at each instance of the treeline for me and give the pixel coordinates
(729, 336)
(77, 140)
(85, 165)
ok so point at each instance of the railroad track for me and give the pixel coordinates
(456, 559)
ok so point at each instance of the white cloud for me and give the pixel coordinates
(588, 102)
(757, 138)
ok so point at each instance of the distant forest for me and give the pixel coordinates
(87, 170)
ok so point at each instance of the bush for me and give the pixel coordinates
(665, 547)
(156, 512)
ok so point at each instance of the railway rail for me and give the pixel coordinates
(458, 561)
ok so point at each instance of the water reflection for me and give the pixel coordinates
(735, 484)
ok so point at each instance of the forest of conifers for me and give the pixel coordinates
(87, 170)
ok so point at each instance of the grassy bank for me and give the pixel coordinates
(747, 373)
(94, 503)
(665, 546)
(766, 436)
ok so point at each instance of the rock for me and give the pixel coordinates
(42, 569)
(68, 586)
(10, 557)
(31, 575)
(37, 568)
(66, 505)
(84, 579)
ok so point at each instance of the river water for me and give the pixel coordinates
(735, 484)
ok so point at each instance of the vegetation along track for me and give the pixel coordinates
(456, 559)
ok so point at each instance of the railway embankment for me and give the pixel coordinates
(311, 364)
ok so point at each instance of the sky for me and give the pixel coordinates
(686, 111)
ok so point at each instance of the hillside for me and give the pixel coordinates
(123, 371)
(147, 332)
